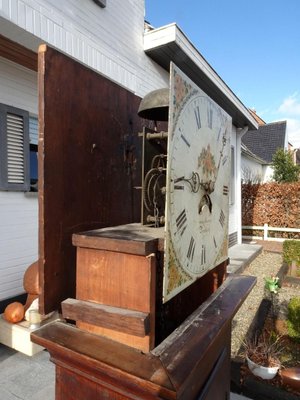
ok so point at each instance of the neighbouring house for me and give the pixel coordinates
(132, 56)
(297, 156)
(252, 166)
(258, 148)
(295, 153)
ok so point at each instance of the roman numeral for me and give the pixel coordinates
(224, 160)
(181, 222)
(215, 243)
(209, 118)
(197, 116)
(222, 218)
(219, 134)
(178, 187)
(225, 190)
(185, 140)
(191, 249)
(203, 255)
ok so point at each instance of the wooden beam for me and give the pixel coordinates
(116, 318)
(18, 53)
(108, 364)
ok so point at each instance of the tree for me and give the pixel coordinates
(284, 168)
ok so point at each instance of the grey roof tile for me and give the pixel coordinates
(265, 141)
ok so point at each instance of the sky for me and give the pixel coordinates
(254, 46)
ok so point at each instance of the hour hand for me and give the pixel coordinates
(193, 181)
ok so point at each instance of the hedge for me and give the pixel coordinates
(275, 204)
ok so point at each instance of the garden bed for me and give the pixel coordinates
(242, 380)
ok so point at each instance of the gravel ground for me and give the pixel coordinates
(267, 264)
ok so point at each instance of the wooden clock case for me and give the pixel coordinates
(126, 344)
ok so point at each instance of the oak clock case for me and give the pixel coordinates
(197, 185)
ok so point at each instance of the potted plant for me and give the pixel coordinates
(262, 354)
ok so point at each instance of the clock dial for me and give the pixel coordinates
(197, 185)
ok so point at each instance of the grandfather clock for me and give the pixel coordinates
(153, 307)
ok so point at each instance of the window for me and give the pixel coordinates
(14, 149)
(33, 160)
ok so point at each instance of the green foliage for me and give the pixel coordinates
(272, 284)
(291, 251)
(284, 168)
(293, 321)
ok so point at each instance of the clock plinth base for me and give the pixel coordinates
(192, 363)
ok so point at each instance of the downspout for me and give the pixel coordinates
(240, 133)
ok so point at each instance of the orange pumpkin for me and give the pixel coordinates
(14, 312)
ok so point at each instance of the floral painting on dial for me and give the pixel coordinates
(207, 162)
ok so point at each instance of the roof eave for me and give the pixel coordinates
(169, 43)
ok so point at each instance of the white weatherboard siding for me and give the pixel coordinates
(18, 210)
(18, 239)
(109, 40)
(18, 86)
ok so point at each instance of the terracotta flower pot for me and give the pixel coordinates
(291, 377)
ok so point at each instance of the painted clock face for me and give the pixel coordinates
(197, 185)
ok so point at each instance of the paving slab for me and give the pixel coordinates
(26, 378)
(241, 255)
(234, 396)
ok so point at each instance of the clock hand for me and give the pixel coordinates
(224, 141)
(209, 186)
(193, 181)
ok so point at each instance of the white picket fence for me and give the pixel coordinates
(266, 229)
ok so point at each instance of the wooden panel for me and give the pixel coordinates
(18, 54)
(119, 280)
(109, 364)
(116, 318)
(172, 313)
(131, 239)
(207, 331)
(89, 164)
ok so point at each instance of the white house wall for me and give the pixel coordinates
(268, 172)
(18, 86)
(18, 210)
(251, 170)
(109, 40)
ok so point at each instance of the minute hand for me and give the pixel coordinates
(224, 141)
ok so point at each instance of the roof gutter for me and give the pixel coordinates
(169, 43)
